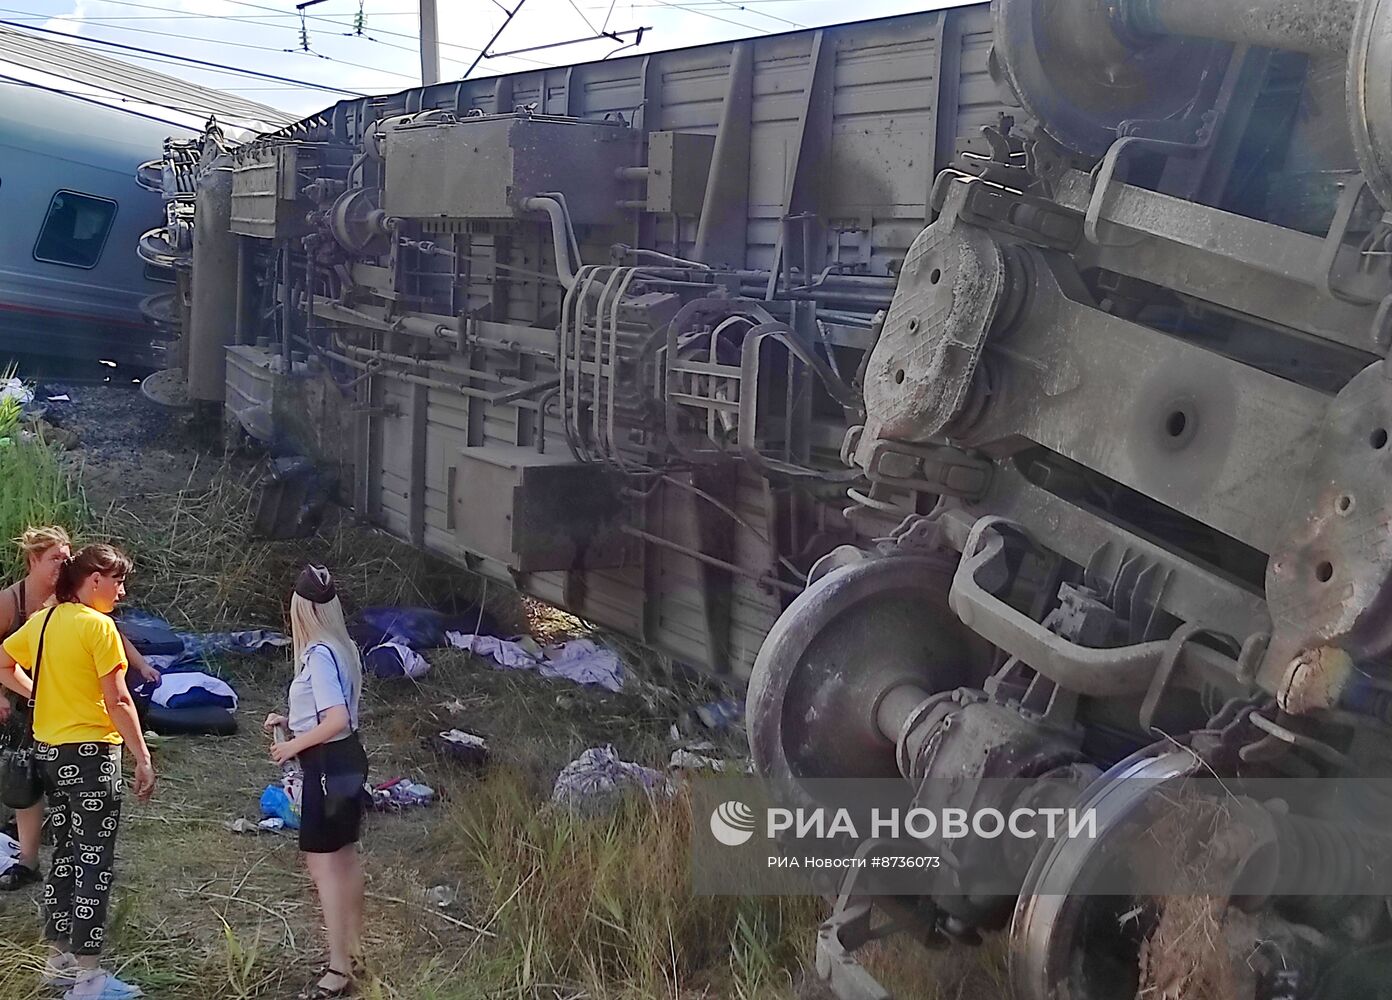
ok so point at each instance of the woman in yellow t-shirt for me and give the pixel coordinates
(45, 550)
(83, 714)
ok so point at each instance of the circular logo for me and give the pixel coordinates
(732, 823)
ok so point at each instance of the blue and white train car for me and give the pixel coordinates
(71, 214)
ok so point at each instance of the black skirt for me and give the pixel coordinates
(333, 798)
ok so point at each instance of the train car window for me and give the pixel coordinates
(75, 229)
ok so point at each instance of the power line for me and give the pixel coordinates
(737, 6)
(496, 35)
(92, 100)
(379, 31)
(147, 31)
(616, 36)
(216, 41)
(575, 7)
(187, 59)
(716, 17)
(242, 20)
(184, 17)
(328, 19)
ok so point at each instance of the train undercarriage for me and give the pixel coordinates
(1075, 471)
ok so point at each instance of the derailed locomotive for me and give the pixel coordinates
(1000, 391)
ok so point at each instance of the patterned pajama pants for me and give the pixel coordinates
(83, 785)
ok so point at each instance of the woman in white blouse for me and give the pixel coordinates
(323, 722)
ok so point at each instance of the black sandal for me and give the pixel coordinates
(17, 876)
(316, 992)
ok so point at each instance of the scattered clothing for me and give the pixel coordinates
(401, 793)
(595, 782)
(192, 689)
(727, 713)
(579, 660)
(687, 759)
(584, 662)
(394, 658)
(418, 628)
(505, 653)
(14, 392)
(9, 852)
(152, 639)
(143, 627)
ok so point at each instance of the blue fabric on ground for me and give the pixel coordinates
(395, 659)
(190, 689)
(151, 639)
(195, 647)
(419, 628)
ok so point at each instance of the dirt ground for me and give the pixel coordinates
(203, 912)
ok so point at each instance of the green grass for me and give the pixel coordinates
(37, 487)
(549, 907)
(604, 907)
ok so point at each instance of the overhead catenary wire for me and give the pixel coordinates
(242, 20)
(38, 54)
(716, 17)
(496, 35)
(92, 100)
(212, 41)
(75, 40)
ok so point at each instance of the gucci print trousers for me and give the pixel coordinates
(83, 785)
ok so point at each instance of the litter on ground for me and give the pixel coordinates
(460, 747)
(595, 782)
(401, 793)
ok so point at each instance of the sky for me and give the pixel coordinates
(381, 55)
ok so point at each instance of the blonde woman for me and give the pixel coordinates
(45, 550)
(74, 670)
(323, 721)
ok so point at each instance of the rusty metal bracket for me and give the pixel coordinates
(929, 468)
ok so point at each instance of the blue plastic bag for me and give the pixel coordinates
(276, 803)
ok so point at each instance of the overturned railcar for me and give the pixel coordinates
(999, 390)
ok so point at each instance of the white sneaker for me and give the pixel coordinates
(103, 986)
(60, 970)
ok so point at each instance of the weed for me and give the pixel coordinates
(36, 487)
(605, 906)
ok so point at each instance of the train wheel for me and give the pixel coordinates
(857, 633)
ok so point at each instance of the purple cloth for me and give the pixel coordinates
(579, 660)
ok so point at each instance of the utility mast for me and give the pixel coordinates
(429, 43)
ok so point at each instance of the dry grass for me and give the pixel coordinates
(912, 972)
(1200, 948)
(198, 562)
(547, 906)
